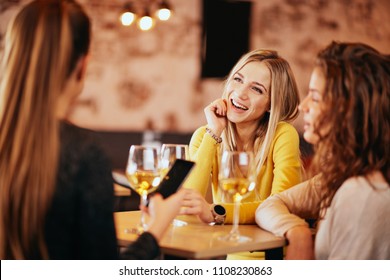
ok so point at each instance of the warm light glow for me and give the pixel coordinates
(145, 23)
(145, 13)
(164, 14)
(127, 18)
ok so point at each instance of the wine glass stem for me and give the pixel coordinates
(234, 233)
(144, 201)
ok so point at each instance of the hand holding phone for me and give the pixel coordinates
(175, 177)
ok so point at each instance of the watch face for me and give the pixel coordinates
(220, 210)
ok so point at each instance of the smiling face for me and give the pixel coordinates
(312, 106)
(249, 94)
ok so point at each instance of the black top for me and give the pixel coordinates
(80, 223)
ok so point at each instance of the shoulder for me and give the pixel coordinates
(359, 200)
(84, 167)
(198, 133)
(357, 190)
(70, 133)
(286, 134)
(80, 148)
(74, 138)
(348, 192)
(356, 195)
(284, 128)
(352, 185)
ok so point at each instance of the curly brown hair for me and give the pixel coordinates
(356, 105)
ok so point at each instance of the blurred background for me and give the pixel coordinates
(160, 80)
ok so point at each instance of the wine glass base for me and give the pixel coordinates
(137, 230)
(235, 238)
(179, 223)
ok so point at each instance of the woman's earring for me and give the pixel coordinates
(79, 75)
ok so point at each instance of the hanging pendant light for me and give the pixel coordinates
(128, 15)
(146, 22)
(164, 11)
(140, 12)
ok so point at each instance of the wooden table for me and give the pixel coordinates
(198, 240)
(121, 191)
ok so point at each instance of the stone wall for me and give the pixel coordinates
(138, 80)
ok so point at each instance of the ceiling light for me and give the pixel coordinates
(128, 15)
(140, 11)
(146, 22)
(164, 11)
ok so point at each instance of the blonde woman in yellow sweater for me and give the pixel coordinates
(260, 97)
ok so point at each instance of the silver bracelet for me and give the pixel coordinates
(215, 137)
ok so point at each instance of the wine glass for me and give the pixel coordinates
(169, 153)
(236, 180)
(143, 174)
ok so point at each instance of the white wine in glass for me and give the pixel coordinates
(169, 153)
(143, 174)
(236, 180)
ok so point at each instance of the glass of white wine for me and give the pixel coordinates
(236, 180)
(169, 153)
(143, 174)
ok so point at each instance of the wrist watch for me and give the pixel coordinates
(219, 214)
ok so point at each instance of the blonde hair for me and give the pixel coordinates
(39, 57)
(284, 103)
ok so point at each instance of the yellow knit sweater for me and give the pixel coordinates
(281, 170)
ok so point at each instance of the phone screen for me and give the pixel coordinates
(175, 177)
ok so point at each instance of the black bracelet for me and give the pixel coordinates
(215, 137)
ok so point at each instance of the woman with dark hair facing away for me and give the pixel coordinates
(347, 119)
(56, 189)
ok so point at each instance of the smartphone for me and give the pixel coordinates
(175, 177)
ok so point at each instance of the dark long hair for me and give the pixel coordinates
(357, 108)
(43, 45)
